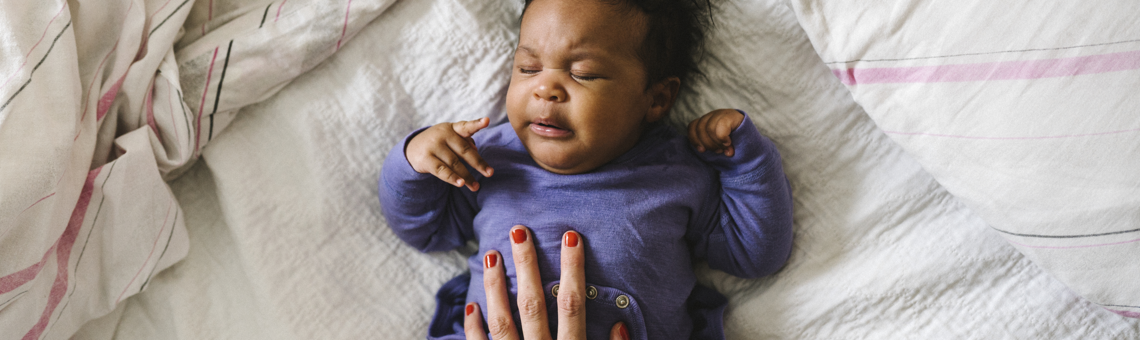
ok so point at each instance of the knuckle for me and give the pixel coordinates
(499, 326)
(523, 259)
(492, 282)
(571, 303)
(464, 147)
(442, 170)
(571, 262)
(531, 308)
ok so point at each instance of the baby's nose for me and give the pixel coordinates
(550, 91)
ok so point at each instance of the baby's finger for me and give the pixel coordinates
(617, 332)
(693, 139)
(473, 323)
(499, 321)
(705, 136)
(722, 131)
(467, 151)
(723, 135)
(450, 169)
(572, 291)
(531, 301)
(470, 127)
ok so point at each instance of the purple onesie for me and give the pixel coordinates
(645, 217)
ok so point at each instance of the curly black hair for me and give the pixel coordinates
(674, 39)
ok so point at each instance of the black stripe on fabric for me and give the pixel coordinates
(994, 52)
(12, 299)
(265, 15)
(218, 96)
(1126, 306)
(169, 237)
(97, 211)
(167, 17)
(94, 222)
(185, 115)
(1067, 236)
(30, 74)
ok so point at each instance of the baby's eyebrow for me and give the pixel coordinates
(575, 55)
(525, 49)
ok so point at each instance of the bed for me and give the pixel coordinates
(180, 169)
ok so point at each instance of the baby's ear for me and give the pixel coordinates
(663, 93)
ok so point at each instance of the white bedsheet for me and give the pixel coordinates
(286, 239)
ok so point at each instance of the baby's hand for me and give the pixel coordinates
(442, 149)
(711, 131)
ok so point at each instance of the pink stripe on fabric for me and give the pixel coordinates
(205, 91)
(282, 5)
(12, 281)
(63, 255)
(158, 10)
(1010, 138)
(108, 98)
(90, 86)
(37, 202)
(1075, 247)
(1125, 313)
(152, 248)
(21, 68)
(1006, 70)
(344, 29)
(210, 14)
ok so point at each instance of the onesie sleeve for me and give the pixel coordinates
(747, 229)
(422, 210)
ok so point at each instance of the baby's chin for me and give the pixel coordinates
(562, 162)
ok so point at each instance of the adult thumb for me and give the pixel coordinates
(619, 332)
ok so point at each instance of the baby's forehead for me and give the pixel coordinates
(588, 21)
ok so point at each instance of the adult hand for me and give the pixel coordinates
(531, 301)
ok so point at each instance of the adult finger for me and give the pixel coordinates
(473, 323)
(617, 332)
(571, 293)
(499, 321)
(470, 127)
(465, 149)
(531, 301)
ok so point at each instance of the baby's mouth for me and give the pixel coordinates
(548, 128)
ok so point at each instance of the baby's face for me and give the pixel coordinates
(577, 97)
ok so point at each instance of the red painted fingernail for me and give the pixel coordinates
(571, 239)
(490, 260)
(623, 331)
(518, 235)
(470, 309)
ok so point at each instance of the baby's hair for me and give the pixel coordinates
(674, 38)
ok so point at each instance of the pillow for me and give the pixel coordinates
(1026, 112)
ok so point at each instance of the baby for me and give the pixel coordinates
(587, 150)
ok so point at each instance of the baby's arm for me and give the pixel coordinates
(428, 209)
(749, 233)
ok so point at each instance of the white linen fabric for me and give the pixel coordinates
(1025, 112)
(98, 109)
(285, 236)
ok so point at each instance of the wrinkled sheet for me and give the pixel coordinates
(286, 239)
(1027, 114)
(98, 108)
